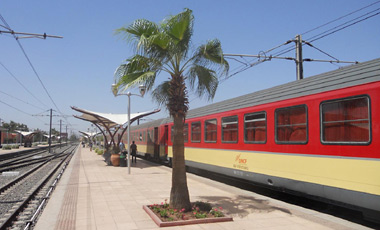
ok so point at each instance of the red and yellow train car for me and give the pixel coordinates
(319, 136)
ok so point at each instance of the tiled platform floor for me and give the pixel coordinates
(92, 195)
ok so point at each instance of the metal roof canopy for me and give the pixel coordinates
(89, 134)
(25, 134)
(109, 121)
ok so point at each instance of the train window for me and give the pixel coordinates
(186, 132)
(140, 137)
(210, 130)
(150, 136)
(255, 128)
(291, 125)
(230, 129)
(196, 131)
(144, 136)
(346, 121)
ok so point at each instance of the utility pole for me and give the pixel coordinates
(262, 57)
(299, 60)
(51, 116)
(66, 135)
(60, 133)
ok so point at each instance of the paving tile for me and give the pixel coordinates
(146, 224)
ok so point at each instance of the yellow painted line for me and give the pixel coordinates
(353, 174)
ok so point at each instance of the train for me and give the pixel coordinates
(318, 137)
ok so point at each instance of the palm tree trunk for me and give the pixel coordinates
(178, 105)
(179, 195)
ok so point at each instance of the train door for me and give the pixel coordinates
(166, 135)
(156, 143)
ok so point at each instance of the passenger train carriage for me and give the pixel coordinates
(319, 136)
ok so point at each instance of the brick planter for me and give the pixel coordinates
(160, 223)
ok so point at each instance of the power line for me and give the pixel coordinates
(16, 108)
(315, 38)
(30, 63)
(26, 89)
(20, 100)
(322, 36)
(340, 18)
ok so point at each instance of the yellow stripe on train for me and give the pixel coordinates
(348, 173)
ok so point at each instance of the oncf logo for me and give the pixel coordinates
(240, 161)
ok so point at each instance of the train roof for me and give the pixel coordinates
(357, 74)
(154, 123)
(361, 73)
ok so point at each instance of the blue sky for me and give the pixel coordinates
(78, 69)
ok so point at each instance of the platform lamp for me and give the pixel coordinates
(142, 90)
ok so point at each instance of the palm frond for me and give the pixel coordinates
(203, 81)
(180, 28)
(138, 70)
(161, 93)
(211, 56)
(138, 32)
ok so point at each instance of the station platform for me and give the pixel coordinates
(91, 195)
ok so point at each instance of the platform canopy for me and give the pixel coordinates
(89, 134)
(24, 133)
(109, 120)
(111, 123)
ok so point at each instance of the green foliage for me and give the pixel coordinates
(7, 147)
(12, 126)
(15, 146)
(164, 48)
(164, 213)
(100, 151)
(217, 212)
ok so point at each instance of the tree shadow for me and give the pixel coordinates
(242, 206)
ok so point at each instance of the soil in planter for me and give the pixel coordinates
(200, 210)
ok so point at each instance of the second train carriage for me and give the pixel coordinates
(318, 136)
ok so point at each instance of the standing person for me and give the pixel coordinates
(90, 144)
(133, 150)
(122, 147)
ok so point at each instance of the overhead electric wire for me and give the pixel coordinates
(31, 65)
(23, 86)
(327, 23)
(309, 44)
(21, 100)
(320, 35)
(16, 108)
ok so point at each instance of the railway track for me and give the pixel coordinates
(21, 197)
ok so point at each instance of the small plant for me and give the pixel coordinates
(217, 212)
(164, 213)
(7, 147)
(200, 210)
(15, 146)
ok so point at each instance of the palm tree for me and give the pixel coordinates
(165, 48)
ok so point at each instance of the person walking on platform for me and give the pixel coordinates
(122, 147)
(133, 150)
